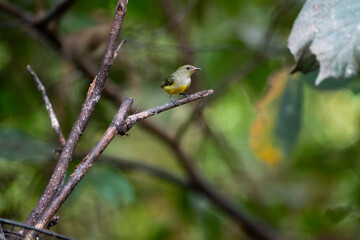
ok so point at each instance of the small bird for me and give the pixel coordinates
(179, 81)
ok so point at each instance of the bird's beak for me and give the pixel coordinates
(196, 69)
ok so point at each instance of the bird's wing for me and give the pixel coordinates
(168, 81)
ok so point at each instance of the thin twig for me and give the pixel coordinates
(54, 121)
(87, 110)
(84, 166)
(121, 44)
(131, 120)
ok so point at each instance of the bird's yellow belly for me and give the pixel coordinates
(175, 89)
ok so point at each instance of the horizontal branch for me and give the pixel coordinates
(132, 119)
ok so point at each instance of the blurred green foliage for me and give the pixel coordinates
(312, 194)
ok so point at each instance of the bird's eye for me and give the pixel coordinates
(188, 68)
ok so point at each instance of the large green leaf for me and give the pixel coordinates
(329, 30)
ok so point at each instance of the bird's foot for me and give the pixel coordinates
(173, 100)
(185, 94)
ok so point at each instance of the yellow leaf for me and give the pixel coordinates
(263, 141)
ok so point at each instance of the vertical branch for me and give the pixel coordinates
(88, 107)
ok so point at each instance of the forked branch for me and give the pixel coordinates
(84, 166)
(118, 125)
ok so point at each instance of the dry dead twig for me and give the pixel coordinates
(54, 121)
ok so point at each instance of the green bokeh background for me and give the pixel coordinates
(313, 194)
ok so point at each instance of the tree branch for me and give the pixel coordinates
(86, 112)
(121, 44)
(131, 120)
(83, 167)
(54, 122)
(118, 125)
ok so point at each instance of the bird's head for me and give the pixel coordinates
(187, 70)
